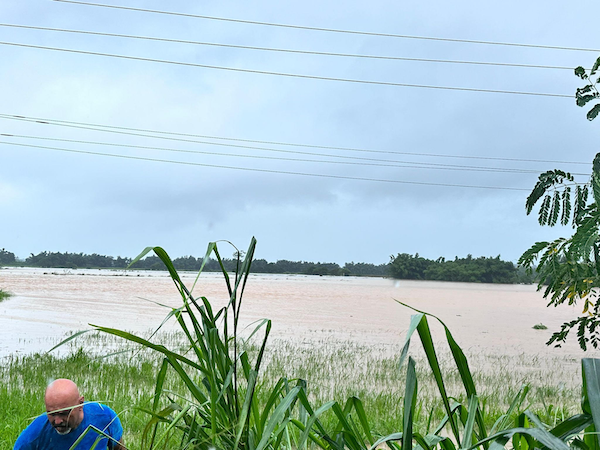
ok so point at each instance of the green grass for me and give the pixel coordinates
(334, 370)
(4, 295)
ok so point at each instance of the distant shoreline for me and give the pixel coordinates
(403, 266)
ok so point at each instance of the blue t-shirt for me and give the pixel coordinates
(40, 435)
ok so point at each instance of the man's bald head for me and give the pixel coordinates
(63, 408)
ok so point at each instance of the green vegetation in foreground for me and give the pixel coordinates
(334, 370)
(216, 390)
(4, 295)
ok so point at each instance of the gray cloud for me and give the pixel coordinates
(82, 202)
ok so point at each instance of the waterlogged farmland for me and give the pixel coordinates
(342, 334)
(47, 303)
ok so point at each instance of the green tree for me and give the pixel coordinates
(408, 267)
(568, 269)
(7, 257)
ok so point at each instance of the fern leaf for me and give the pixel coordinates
(593, 113)
(529, 256)
(580, 203)
(577, 204)
(566, 206)
(588, 246)
(595, 66)
(596, 187)
(584, 238)
(538, 191)
(544, 210)
(597, 259)
(546, 180)
(555, 209)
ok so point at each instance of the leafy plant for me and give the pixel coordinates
(221, 409)
(4, 295)
(589, 92)
(568, 268)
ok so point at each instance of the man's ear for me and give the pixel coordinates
(81, 400)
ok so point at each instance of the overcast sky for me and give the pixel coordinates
(374, 169)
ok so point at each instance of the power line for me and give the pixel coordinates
(329, 30)
(128, 130)
(376, 163)
(282, 50)
(342, 177)
(290, 75)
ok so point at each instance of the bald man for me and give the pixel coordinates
(66, 418)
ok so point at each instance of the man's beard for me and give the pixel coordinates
(63, 430)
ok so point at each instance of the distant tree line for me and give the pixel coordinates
(402, 266)
(469, 269)
(89, 261)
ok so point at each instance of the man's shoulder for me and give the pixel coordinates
(95, 408)
(98, 414)
(102, 417)
(34, 431)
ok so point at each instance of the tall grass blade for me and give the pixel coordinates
(309, 409)
(362, 417)
(468, 435)
(245, 411)
(572, 426)
(211, 247)
(462, 365)
(427, 341)
(277, 417)
(386, 439)
(155, 419)
(173, 424)
(415, 320)
(314, 417)
(503, 421)
(101, 435)
(539, 434)
(261, 420)
(410, 399)
(590, 371)
(139, 340)
(521, 441)
(70, 338)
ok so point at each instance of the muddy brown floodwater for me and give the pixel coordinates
(49, 303)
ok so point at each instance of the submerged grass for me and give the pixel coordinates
(4, 295)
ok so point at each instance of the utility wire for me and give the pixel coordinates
(283, 50)
(289, 75)
(329, 30)
(376, 163)
(139, 158)
(127, 130)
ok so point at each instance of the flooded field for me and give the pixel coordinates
(49, 303)
(343, 334)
